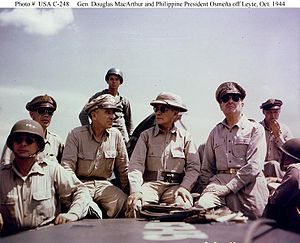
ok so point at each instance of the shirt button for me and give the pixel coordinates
(229, 151)
(229, 161)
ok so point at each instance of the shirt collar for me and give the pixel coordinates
(240, 124)
(107, 131)
(157, 130)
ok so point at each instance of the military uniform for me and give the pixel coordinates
(123, 119)
(274, 154)
(234, 157)
(30, 201)
(162, 161)
(29, 187)
(95, 161)
(53, 149)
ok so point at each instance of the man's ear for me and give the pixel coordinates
(31, 114)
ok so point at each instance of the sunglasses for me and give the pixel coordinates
(42, 111)
(234, 97)
(20, 139)
(161, 108)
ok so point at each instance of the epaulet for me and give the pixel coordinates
(5, 166)
(48, 160)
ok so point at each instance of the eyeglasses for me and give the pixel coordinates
(20, 139)
(161, 108)
(42, 111)
(234, 97)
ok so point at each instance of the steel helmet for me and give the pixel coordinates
(114, 71)
(292, 148)
(27, 126)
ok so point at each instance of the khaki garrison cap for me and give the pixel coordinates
(105, 101)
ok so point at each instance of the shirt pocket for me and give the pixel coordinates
(85, 163)
(240, 147)
(154, 158)
(43, 206)
(177, 164)
(219, 148)
(9, 207)
(110, 157)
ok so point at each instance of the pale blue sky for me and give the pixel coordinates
(66, 53)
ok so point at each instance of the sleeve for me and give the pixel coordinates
(288, 189)
(208, 167)
(122, 161)
(70, 189)
(128, 118)
(70, 154)
(84, 117)
(255, 156)
(137, 164)
(192, 168)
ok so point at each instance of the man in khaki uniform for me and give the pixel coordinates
(93, 152)
(276, 134)
(234, 153)
(165, 163)
(41, 109)
(29, 185)
(123, 118)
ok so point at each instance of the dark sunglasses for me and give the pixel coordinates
(42, 111)
(20, 139)
(161, 108)
(234, 97)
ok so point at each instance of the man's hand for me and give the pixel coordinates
(63, 218)
(135, 200)
(273, 179)
(218, 190)
(275, 128)
(184, 194)
(1, 222)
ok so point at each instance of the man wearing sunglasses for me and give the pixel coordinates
(231, 172)
(95, 151)
(164, 164)
(41, 109)
(276, 134)
(29, 185)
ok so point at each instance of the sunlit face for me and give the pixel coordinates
(42, 116)
(271, 115)
(231, 104)
(114, 81)
(103, 118)
(165, 116)
(24, 145)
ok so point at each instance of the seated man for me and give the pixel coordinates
(29, 185)
(94, 151)
(231, 172)
(165, 163)
(284, 203)
(276, 134)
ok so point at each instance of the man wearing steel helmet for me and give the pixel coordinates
(276, 134)
(164, 164)
(122, 119)
(29, 185)
(94, 152)
(41, 109)
(231, 171)
(284, 203)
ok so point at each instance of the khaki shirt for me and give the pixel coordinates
(156, 150)
(273, 144)
(53, 148)
(31, 201)
(242, 147)
(88, 158)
